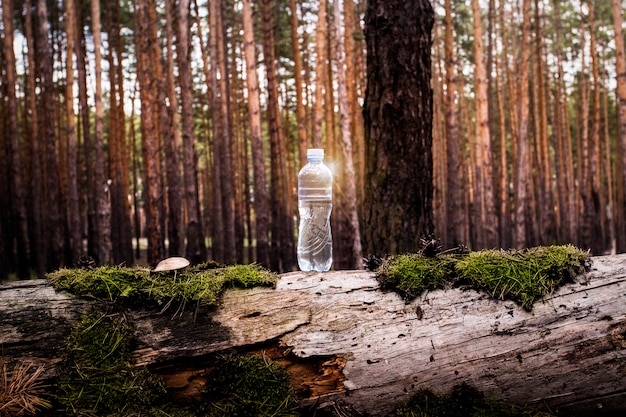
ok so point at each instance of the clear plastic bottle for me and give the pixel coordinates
(315, 202)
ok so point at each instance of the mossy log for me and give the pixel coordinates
(346, 342)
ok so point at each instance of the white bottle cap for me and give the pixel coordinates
(315, 153)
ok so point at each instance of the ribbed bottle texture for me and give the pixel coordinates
(315, 202)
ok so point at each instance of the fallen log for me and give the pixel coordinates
(345, 341)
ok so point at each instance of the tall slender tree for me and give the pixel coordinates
(486, 234)
(620, 66)
(258, 159)
(54, 223)
(100, 184)
(196, 250)
(522, 174)
(18, 202)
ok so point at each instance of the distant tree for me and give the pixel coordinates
(398, 126)
(196, 250)
(17, 189)
(261, 209)
(620, 64)
(55, 237)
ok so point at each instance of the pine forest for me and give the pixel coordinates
(134, 130)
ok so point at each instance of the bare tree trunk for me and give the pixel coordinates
(282, 249)
(522, 180)
(616, 9)
(487, 234)
(74, 220)
(350, 236)
(303, 141)
(226, 157)
(54, 222)
(38, 247)
(149, 134)
(455, 192)
(261, 210)
(176, 226)
(398, 125)
(101, 192)
(320, 73)
(18, 202)
(196, 251)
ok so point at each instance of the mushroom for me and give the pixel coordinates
(172, 264)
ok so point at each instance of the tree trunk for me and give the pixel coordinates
(196, 250)
(17, 200)
(616, 9)
(303, 141)
(320, 73)
(54, 223)
(487, 235)
(344, 341)
(100, 184)
(261, 209)
(149, 133)
(398, 125)
(349, 240)
(523, 174)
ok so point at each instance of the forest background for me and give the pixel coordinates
(179, 127)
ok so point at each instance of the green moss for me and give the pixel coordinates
(411, 274)
(463, 401)
(97, 376)
(138, 286)
(523, 276)
(249, 386)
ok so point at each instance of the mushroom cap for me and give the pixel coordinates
(172, 264)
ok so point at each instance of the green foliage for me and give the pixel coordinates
(524, 276)
(249, 386)
(463, 401)
(410, 274)
(202, 284)
(97, 376)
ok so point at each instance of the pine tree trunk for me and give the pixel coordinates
(398, 125)
(616, 9)
(303, 141)
(320, 73)
(454, 185)
(176, 227)
(350, 238)
(196, 251)
(261, 210)
(523, 174)
(54, 230)
(17, 199)
(487, 234)
(38, 251)
(149, 132)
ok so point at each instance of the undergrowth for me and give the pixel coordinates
(524, 276)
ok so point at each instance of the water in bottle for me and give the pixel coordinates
(315, 201)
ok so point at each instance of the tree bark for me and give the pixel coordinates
(371, 348)
(398, 125)
(261, 209)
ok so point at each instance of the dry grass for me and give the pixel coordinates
(21, 390)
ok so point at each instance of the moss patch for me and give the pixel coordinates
(524, 276)
(97, 376)
(463, 401)
(246, 385)
(202, 284)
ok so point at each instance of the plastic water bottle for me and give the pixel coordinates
(315, 202)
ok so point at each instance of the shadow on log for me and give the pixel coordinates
(344, 341)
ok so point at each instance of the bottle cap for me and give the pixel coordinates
(315, 153)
